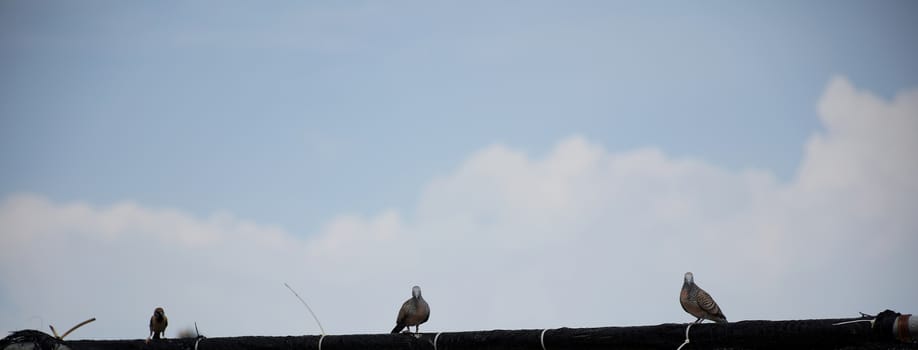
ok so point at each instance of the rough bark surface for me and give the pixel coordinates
(802, 334)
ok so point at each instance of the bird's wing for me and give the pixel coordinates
(165, 322)
(403, 312)
(401, 319)
(706, 302)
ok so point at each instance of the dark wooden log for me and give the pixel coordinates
(800, 334)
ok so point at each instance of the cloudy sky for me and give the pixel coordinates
(528, 164)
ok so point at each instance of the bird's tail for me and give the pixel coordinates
(398, 328)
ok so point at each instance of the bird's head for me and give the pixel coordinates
(159, 312)
(689, 278)
(416, 292)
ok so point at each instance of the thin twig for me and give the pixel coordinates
(307, 308)
(77, 326)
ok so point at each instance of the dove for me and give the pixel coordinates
(413, 312)
(699, 303)
(158, 323)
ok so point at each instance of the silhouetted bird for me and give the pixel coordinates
(158, 323)
(413, 312)
(699, 303)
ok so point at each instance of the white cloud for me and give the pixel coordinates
(579, 237)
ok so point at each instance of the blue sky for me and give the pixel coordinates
(294, 115)
(290, 112)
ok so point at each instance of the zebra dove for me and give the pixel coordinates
(699, 303)
(413, 312)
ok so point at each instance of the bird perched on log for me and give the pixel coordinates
(699, 303)
(413, 312)
(158, 323)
